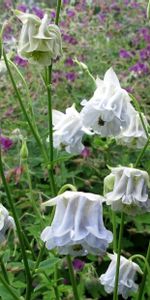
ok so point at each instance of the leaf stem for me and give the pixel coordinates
(10, 290)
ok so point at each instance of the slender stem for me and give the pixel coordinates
(66, 187)
(9, 289)
(32, 128)
(39, 256)
(115, 295)
(142, 285)
(142, 153)
(56, 286)
(19, 231)
(34, 132)
(114, 231)
(72, 278)
(143, 258)
(33, 203)
(58, 11)
(3, 269)
(50, 128)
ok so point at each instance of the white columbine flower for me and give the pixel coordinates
(6, 222)
(106, 113)
(127, 275)
(77, 227)
(127, 189)
(39, 42)
(134, 135)
(68, 130)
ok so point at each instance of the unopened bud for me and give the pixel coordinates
(24, 151)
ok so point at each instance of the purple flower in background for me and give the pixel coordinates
(144, 53)
(20, 61)
(125, 54)
(78, 264)
(140, 68)
(115, 7)
(53, 14)
(38, 12)
(66, 1)
(71, 76)
(22, 7)
(7, 3)
(65, 281)
(69, 39)
(102, 17)
(6, 143)
(69, 62)
(85, 152)
(70, 12)
(7, 35)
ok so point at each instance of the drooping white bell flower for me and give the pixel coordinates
(134, 135)
(106, 112)
(77, 227)
(6, 222)
(127, 276)
(127, 189)
(39, 42)
(68, 130)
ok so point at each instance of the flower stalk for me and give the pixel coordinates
(72, 278)
(115, 295)
(142, 285)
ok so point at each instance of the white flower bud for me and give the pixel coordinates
(39, 41)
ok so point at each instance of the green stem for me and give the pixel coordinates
(33, 130)
(142, 153)
(115, 295)
(56, 286)
(143, 258)
(33, 203)
(137, 106)
(142, 285)
(3, 269)
(50, 127)
(72, 278)
(39, 257)
(19, 231)
(66, 187)
(114, 231)
(58, 11)
(9, 289)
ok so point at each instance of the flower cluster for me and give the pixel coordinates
(109, 113)
(39, 42)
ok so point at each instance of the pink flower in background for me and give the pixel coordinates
(5, 142)
(20, 61)
(85, 152)
(78, 264)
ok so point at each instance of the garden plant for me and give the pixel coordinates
(74, 150)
